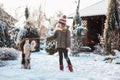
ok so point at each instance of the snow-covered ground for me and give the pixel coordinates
(46, 67)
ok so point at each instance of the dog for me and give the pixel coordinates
(27, 48)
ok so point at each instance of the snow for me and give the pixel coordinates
(46, 67)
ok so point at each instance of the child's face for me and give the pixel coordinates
(61, 26)
(64, 27)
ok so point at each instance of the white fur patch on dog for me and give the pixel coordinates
(33, 44)
(28, 47)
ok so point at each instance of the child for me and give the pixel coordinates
(62, 37)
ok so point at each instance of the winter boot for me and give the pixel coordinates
(70, 68)
(61, 67)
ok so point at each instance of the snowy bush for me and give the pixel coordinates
(8, 54)
(77, 40)
(117, 57)
(2, 63)
(50, 47)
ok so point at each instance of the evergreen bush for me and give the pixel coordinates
(51, 47)
(8, 54)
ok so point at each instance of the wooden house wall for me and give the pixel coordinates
(95, 26)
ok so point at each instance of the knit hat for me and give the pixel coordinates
(62, 20)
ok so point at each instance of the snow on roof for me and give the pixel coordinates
(99, 8)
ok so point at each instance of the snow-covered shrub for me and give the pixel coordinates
(77, 39)
(117, 57)
(2, 63)
(8, 54)
(50, 45)
(50, 48)
(5, 34)
(98, 50)
(13, 36)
